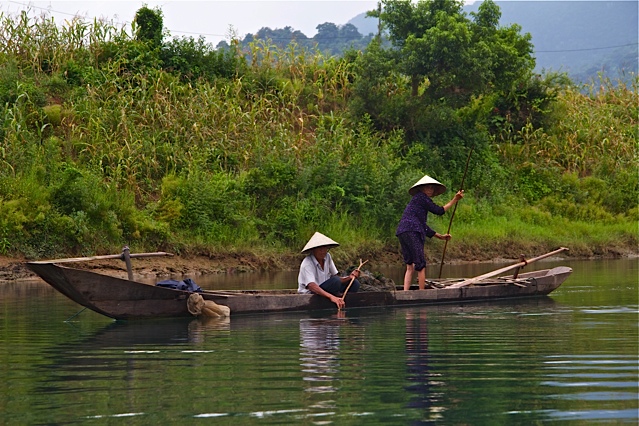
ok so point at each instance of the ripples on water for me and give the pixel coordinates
(569, 359)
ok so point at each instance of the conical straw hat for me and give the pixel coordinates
(427, 180)
(319, 240)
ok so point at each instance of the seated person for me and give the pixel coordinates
(318, 273)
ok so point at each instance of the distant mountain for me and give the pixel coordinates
(581, 38)
(365, 25)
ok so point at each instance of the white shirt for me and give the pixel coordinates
(312, 272)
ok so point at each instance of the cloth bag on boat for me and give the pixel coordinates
(186, 285)
(199, 307)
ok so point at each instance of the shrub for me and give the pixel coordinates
(193, 59)
(197, 201)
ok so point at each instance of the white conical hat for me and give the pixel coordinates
(427, 180)
(318, 240)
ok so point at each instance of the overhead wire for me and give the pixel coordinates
(586, 49)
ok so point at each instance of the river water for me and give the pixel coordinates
(570, 359)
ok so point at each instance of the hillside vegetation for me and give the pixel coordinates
(111, 139)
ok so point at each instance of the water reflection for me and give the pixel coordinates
(322, 354)
(319, 351)
(118, 346)
(417, 360)
(131, 335)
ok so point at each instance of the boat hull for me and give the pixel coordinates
(123, 299)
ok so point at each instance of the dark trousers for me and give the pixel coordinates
(413, 249)
(335, 286)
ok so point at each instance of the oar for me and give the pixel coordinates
(450, 224)
(125, 255)
(353, 279)
(504, 269)
(108, 256)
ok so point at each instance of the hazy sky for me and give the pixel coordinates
(210, 18)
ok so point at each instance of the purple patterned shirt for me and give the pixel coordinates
(414, 216)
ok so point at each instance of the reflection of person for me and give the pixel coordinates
(319, 352)
(412, 228)
(417, 360)
(318, 273)
(322, 356)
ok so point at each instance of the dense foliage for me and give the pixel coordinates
(111, 139)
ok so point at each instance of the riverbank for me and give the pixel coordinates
(12, 269)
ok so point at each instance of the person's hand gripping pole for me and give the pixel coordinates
(353, 278)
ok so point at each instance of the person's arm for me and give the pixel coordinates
(446, 237)
(316, 289)
(457, 197)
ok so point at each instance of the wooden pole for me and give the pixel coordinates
(108, 256)
(450, 224)
(126, 254)
(504, 269)
(522, 258)
(353, 279)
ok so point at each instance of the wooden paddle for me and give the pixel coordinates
(353, 279)
(504, 269)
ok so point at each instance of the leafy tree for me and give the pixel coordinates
(149, 26)
(338, 40)
(193, 59)
(280, 37)
(349, 32)
(438, 61)
(327, 31)
(328, 37)
(449, 55)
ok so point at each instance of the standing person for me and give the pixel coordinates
(412, 228)
(318, 273)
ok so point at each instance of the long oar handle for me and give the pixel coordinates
(353, 279)
(108, 256)
(504, 269)
(450, 224)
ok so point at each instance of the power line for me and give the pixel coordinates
(586, 49)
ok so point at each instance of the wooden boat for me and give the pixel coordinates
(126, 299)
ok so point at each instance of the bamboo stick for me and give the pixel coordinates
(353, 279)
(450, 224)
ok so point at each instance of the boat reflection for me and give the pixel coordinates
(199, 328)
(150, 334)
(124, 352)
